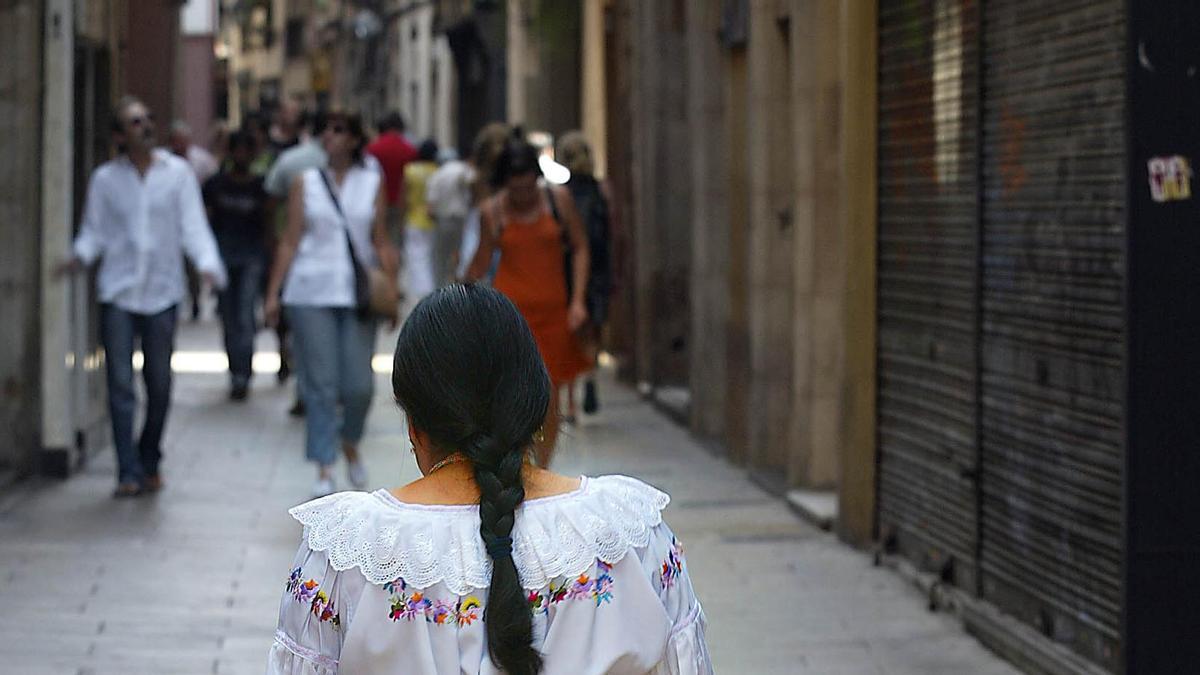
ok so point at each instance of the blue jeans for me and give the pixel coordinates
(237, 318)
(334, 348)
(118, 331)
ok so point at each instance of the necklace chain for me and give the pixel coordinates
(452, 458)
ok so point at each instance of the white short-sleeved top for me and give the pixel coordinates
(321, 273)
(381, 586)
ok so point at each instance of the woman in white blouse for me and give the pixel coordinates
(487, 564)
(335, 213)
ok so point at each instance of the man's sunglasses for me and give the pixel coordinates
(139, 120)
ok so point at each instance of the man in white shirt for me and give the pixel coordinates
(143, 212)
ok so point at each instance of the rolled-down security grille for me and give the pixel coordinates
(928, 268)
(1052, 330)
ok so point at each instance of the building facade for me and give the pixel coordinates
(372, 57)
(197, 103)
(421, 77)
(926, 259)
(259, 40)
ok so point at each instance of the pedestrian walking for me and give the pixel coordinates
(237, 210)
(142, 214)
(255, 124)
(521, 222)
(218, 141)
(335, 216)
(449, 196)
(593, 203)
(291, 163)
(204, 165)
(285, 131)
(486, 564)
(486, 149)
(393, 152)
(419, 234)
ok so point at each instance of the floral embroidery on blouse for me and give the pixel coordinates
(465, 611)
(318, 601)
(413, 606)
(598, 589)
(468, 610)
(672, 567)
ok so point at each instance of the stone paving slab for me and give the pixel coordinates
(189, 581)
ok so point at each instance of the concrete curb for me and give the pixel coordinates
(818, 507)
(1012, 640)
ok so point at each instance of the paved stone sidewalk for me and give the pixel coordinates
(189, 581)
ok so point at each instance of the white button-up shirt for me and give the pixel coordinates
(139, 227)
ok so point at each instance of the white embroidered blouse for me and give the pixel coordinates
(382, 586)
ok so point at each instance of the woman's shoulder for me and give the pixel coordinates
(490, 202)
(306, 177)
(560, 192)
(615, 489)
(561, 535)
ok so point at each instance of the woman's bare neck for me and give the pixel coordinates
(455, 485)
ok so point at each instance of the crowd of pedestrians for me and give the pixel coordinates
(306, 222)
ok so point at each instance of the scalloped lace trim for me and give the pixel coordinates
(386, 540)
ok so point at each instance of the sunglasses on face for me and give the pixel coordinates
(338, 129)
(139, 120)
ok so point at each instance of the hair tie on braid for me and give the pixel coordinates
(499, 548)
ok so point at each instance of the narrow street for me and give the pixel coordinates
(189, 581)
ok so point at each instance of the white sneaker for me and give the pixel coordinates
(357, 473)
(323, 487)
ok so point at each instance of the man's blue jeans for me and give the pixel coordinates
(237, 318)
(334, 348)
(119, 329)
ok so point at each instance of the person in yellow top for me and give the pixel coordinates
(419, 232)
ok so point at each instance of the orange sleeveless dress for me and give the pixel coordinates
(531, 275)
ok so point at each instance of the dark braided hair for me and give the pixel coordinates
(469, 375)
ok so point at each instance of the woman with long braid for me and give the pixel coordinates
(487, 564)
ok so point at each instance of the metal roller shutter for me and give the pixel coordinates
(1052, 329)
(928, 252)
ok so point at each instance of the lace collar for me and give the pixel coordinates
(553, 537)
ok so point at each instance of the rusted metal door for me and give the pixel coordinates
(928, 281)
(1052, 336)
(1002, 341)
(93, 96)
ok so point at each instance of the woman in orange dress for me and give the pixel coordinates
(519, 220)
